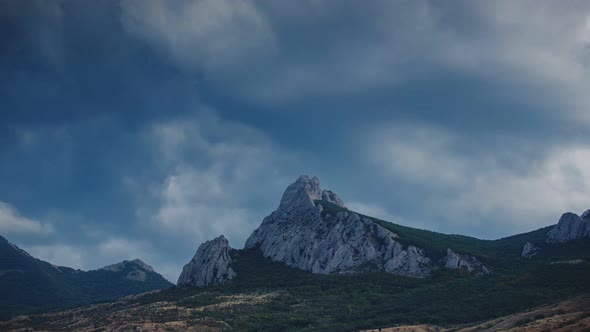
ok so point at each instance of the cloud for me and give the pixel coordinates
(372, 210)
(117, 248)
(558, 183)
(61, 255)
(533, 52)
(235, 44)
(109, 250)
(418, 153)
(121, 248)
(202, 35)
(215, 174)
(541, 48)
(11, 222)
(476, 190)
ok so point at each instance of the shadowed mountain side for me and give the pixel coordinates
(28, 284)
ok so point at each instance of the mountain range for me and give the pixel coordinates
(28, 284)
(315, 265)
(313, 231)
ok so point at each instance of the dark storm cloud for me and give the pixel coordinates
(141, 128)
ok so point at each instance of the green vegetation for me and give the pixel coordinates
(269, 296)
(502, 253)
(306, 302)
(31, 285)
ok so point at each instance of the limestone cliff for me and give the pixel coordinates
(209, 266)
(570, 227)
(300, 235)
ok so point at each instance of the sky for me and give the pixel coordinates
(142, 128)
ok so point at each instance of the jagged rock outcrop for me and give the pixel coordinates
(137, 269)
(209, 266)
(570, 227)
(456, 261)
(529, 250)
(300, 235)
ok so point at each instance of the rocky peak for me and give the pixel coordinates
(586, 215)
(143, 265)
(570, 227)
(302, 193)
(136, 269)
(209, 266)
(298, 235)
(136, 263)
(331, 197)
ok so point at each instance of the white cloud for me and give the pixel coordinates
(418, 153)
(471, 191)
(212, 172)
(558, 183)
(122, 248)
(541, 48)
(60, 254)
(537, 51)
(201, 35)
(372, 210)
(11, 222)
(111, 250)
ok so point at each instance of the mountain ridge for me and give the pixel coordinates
(259, 286)
(29, 284)
(312, 230)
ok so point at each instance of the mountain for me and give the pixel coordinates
(28, 284)
(570, 227)
(313, 231)
(210, 266)
(314, 265)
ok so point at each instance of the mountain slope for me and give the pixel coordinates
(269, 296)
(28, 284)
(312, 230)
(273, 285)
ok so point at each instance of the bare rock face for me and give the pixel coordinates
(457, 261)
(529, 250)
(300, 235)
(137, 269)
(209, 266)
(300, 196)
(570, 227)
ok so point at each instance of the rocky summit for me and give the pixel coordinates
(209, 266)
(302, 233)
(135, 269)
(570, 227)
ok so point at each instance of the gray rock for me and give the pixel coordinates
(456, 261)
(298, 235)
(301, 195)
(209, 266)
(136, 263)
(137, 269)
(529, 250)
(570, 227)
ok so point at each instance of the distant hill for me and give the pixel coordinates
(28, 284)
